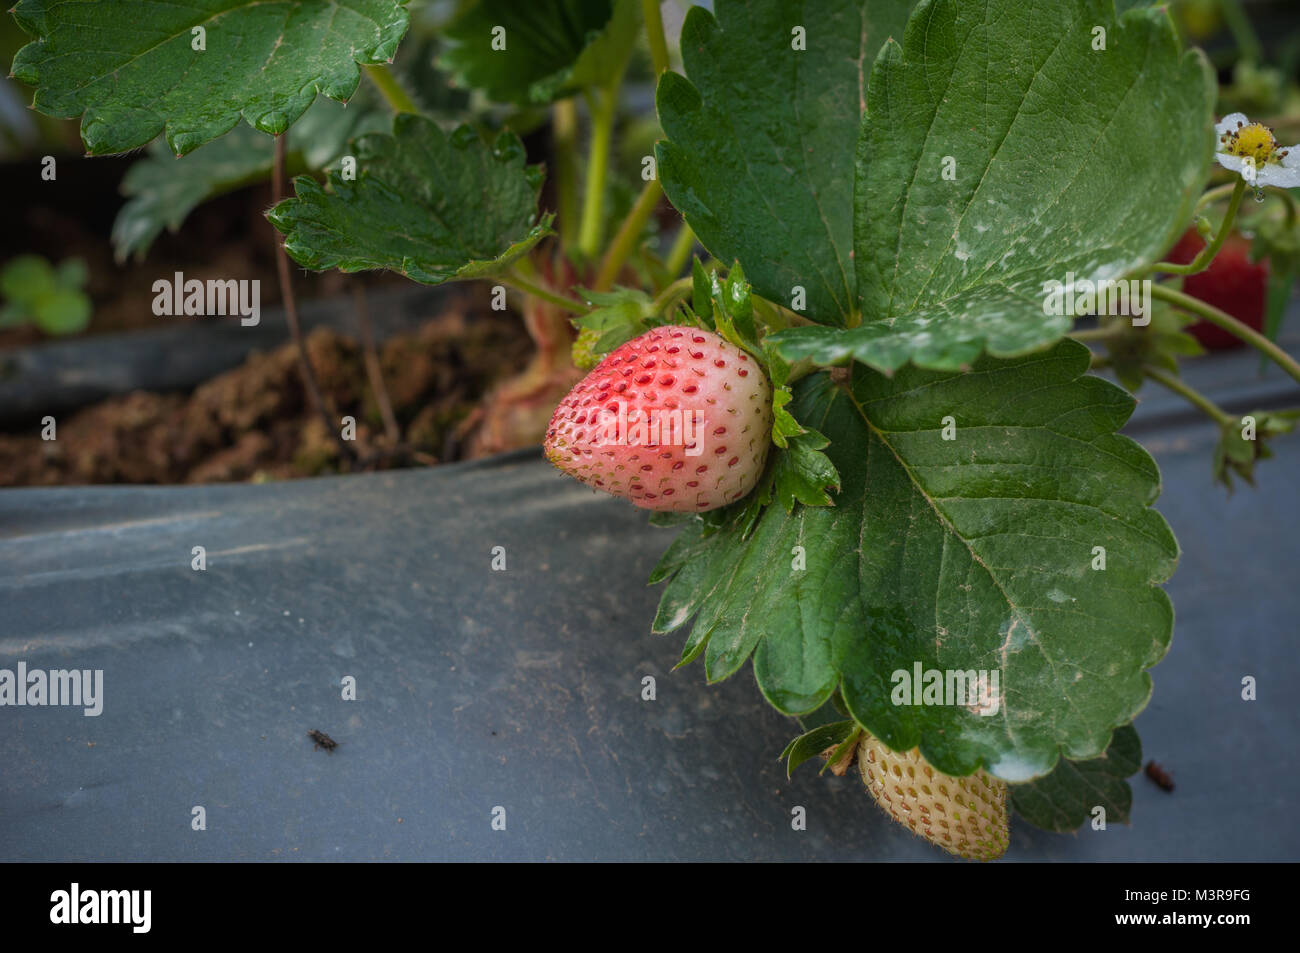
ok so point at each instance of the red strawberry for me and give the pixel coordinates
(1232, 283)
(676, 419)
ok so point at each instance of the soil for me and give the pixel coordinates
(254, 422)
(453, 385)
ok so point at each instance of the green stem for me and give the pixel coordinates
(1213, 195)
(1185, 390)
(672, 294)
(1289, 200)
(564, 140)
(1226, 321)
(514, 279)
(629, 234)
(681, 250)
(602, 127)
(1239, 25)
(654, 28)
(1206, 254)
(1098, 334)
(392, 91)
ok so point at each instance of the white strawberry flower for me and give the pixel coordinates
(1250, 149)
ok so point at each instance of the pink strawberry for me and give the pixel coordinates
(676, 419)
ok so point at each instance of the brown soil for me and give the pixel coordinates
(254, 422)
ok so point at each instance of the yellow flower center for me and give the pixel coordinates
(1254, 141)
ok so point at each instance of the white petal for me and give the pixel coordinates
(1292, 158)
(1283, 177)
(1229, 122)
(1229, 161)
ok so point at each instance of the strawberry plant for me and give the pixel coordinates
(869, 411)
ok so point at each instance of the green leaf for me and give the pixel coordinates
(162, 190)
(26, 279)
(803, 473)
(702, 293)
(810, 744)
(62, 311)
(760, 138)
(1061, 160)
(431, 206)
(1239, 448)
(72, 274)
(551, 46)
(974, 553)
(619, 316)
(607, 55)
(733, 310)
(1064, 799)
(130, 70)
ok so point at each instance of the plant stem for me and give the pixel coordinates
(672, 294)
(515, 280)
(1289, 200)
(373, 369)
(1185, 390)
(1248, 45)
(1213, 195)
(564, 145)
(602, 107)
(1226, 321)
(629, 234)
(1206, 254)
(1098, 334)
(681, 250)
(291, 311)
(654, 28)
(392, 91)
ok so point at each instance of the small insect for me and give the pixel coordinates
(1160, 776)
(323, 740)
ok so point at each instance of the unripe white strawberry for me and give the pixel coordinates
(965, 816)
(676, 419)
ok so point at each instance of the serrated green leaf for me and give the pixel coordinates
(431, 206)
(162, 190)
(803, 473)
(1065, 798)
(129, 69)
(1000, 151)
(551, 46)
(968, 554)
(761, 138)
(811, 744)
